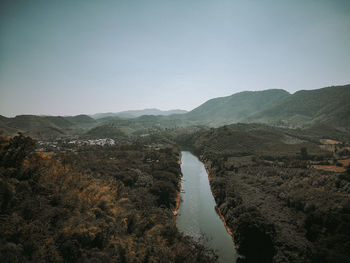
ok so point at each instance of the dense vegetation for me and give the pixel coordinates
(91, 205)
(46, 127)
(329, 106)
(235, 108)
(278, 207)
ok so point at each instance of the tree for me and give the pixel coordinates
(19, 147)
(303, 153)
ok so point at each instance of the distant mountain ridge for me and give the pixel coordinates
(137, 113)
(326, 107)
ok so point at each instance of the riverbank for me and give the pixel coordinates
(217, 209)
(271, 220)
(178, 196)
(178, 199)
(250, 233)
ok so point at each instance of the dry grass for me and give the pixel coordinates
(329, 168)
(329, 141)
(345, 162)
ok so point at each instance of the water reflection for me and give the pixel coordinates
(197, 216)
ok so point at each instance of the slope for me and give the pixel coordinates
(330, 105)
(234, 108)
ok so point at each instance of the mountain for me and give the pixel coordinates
(326, 107)
(45, 126)
(235, 108)
(137, 113)
(330, 105)
(82, 121)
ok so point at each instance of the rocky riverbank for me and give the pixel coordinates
(178, 196)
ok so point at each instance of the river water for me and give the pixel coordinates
(196, 215)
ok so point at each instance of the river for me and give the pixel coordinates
(196, 215)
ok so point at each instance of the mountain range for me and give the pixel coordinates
(328, 106)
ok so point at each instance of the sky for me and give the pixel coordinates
(63, 57)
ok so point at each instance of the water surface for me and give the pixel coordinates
(197, 216)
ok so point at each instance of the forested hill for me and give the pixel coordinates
(306, 108)
(137, 113)
(329, 105)
(45, 126)
(235, 108)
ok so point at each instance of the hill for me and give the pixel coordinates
(45, 126)
(246, 139)
(330, 105)
(82, 121)
(235, 108)
(104, 131)
(137, 113)
(327, 106)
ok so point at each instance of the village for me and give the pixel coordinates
(48, 146)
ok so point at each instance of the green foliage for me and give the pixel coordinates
(105, 131)
(329, 105)
(235, 108)
(303, 153)
(46, 127)
(278, 208)
(13, 153)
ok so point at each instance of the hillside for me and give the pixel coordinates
(104, 131)
(246, 139)
(45, 126)
(235, 108)
(329, 105)
(81, 120)
(137, 113)
(305, 108)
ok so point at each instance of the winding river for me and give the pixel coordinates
(196, 215)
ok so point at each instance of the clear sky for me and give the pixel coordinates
(69, 57)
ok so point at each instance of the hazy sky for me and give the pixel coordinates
(69, 57)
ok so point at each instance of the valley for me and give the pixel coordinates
(174, 131)
(106, 188)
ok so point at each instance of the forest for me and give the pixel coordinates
(284, 194)
(111, 204)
